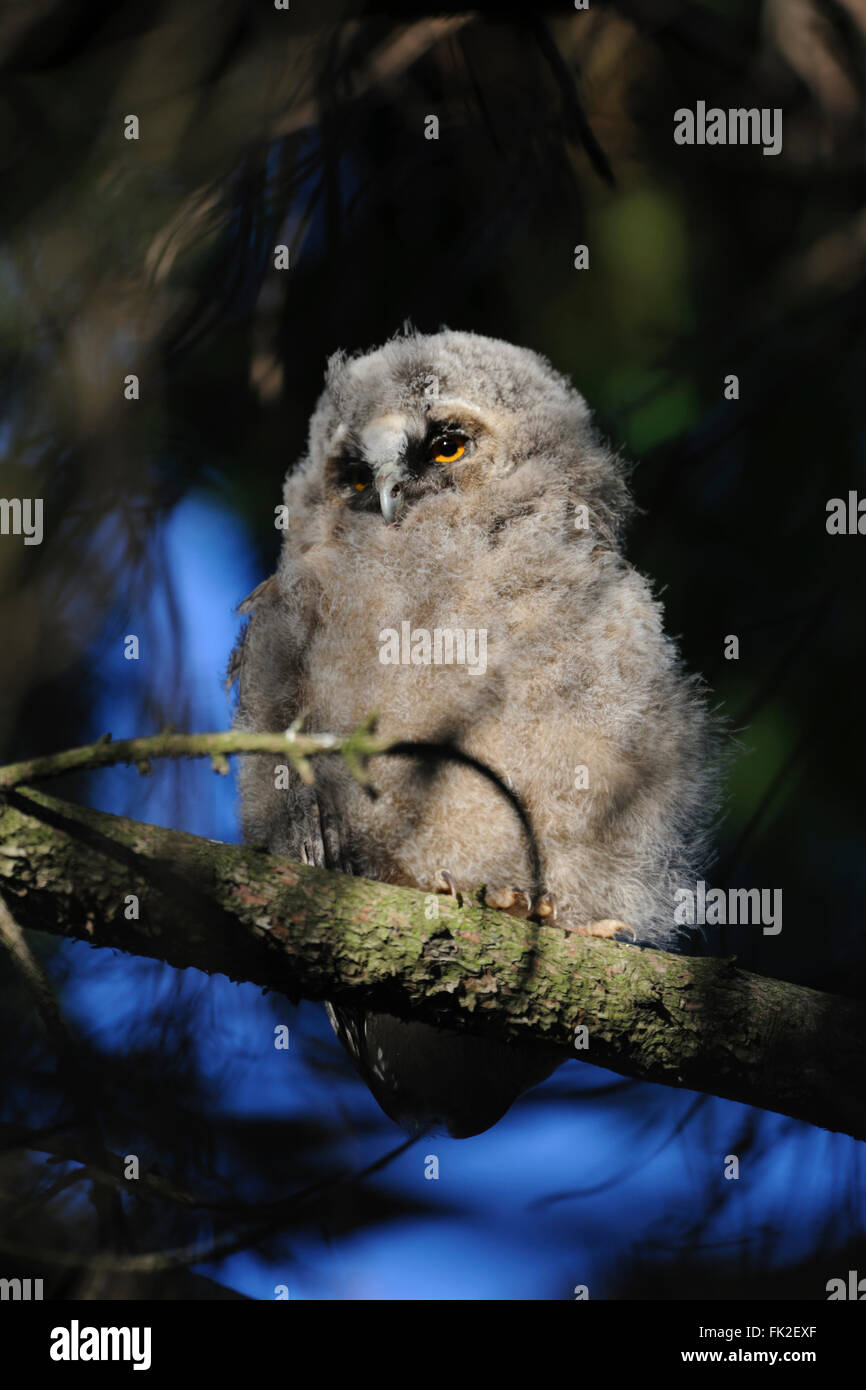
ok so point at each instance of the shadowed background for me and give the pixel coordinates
(155, 256)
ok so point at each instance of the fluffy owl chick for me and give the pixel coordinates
(453, 484)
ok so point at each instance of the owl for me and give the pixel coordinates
(452, 560)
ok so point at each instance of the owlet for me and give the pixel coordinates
(453, 561)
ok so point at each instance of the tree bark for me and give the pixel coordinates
(679, 1020)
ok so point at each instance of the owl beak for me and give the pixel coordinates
(391, 487)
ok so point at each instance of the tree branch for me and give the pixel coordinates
(682, 1021)
(296, 747)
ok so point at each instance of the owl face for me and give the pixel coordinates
(426, 413)
(394, 459)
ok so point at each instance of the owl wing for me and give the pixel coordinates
(264, 591)
(311, 832)
(267, 664)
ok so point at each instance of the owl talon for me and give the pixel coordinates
(546, 909)
(511, 900)
(608, 928)
(445, 884)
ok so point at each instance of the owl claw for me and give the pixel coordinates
(511, 900)
(608, 927)
(546, 908)
(445, 884)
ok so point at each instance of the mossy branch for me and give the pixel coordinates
(696, 1023)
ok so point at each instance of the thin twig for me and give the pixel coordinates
(297, 747)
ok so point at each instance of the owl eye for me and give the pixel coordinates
(355, 480)
(448, 448)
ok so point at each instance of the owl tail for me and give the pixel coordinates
(432, 1079)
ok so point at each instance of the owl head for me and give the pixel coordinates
(428, 413)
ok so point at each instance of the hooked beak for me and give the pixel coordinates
(391, 487)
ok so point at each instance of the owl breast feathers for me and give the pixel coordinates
(452, 561)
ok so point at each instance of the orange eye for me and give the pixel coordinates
(449, 448)
(360, 487)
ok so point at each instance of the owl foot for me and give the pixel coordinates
(444, 883)
(511, 900)
(546, 909)
(609, 927)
